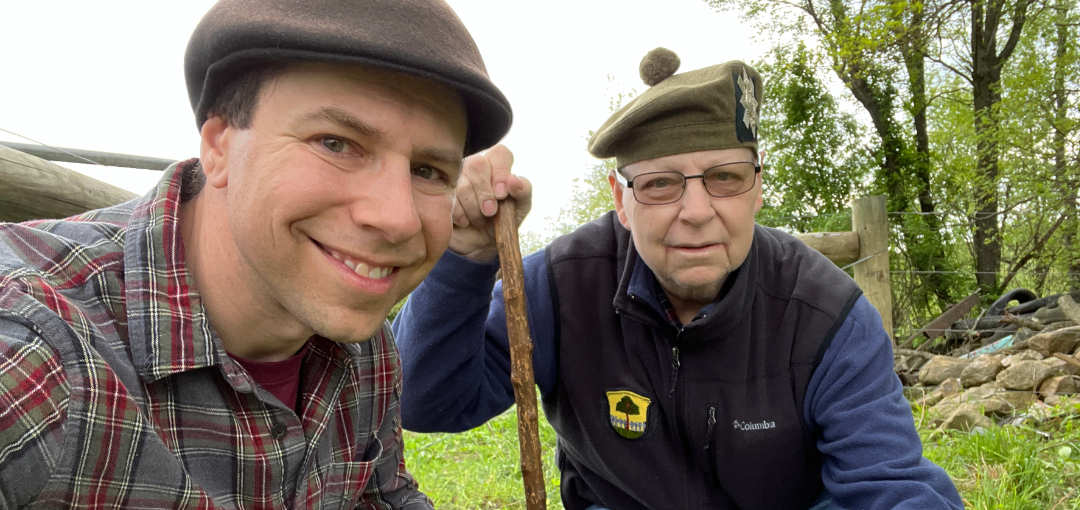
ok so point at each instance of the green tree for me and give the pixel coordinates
(1037, 136)
(871, 46)
(1066, 128)
(815, 158)
(627, 406)
(591, 197)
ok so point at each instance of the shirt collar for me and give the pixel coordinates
(168, 329)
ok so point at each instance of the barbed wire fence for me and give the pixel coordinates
(907, 317)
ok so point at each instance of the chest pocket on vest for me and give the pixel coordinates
(751, 439)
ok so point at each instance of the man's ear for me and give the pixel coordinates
(213, 150)
(617, 193)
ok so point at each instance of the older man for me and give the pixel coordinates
(222, 342)
(687, 358)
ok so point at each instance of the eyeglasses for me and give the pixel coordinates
(726, 180)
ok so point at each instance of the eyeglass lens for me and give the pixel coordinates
(720, 181)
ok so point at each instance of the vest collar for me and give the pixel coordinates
(639, 293)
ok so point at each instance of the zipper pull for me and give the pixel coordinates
(674, 369)
(710, 427)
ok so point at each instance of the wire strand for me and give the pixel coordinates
(43, 144)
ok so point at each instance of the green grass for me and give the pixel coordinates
(1014, 467)
(479, 469)
(1020, 467)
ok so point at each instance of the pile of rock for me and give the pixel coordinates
(982, 384)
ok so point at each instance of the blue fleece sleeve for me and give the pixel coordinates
(872, 454)
(455, 355)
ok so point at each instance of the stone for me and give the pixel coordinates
(966, 418)
(1040, 412)
(916, 393)
(1024, 375)
(1059, 325)
(935, 394)
(974, 396)
(1059, 340)
(1059, 385)
(981, 370)
(931, 397)
(910, 361)
(1022, 334)
(1024, 355)
(989, 399)
(951, 386)
(940, 368)
(1063, 401)
(1008, 402)
(1069, 307)
(1060, 366)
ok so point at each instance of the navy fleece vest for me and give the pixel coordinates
(707, 416)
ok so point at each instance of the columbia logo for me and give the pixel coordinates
(753, 425)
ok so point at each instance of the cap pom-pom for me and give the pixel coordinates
(657, 65)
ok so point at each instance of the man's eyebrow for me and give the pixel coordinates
(442, 157)
(344, 119)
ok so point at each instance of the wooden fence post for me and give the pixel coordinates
(872, 275)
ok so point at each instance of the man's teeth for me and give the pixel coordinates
(361, 268)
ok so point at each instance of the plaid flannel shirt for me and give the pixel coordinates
(115, 392)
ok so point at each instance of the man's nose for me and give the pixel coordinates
(696, 202)
(387, 203)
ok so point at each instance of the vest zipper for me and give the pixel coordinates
(710, 427)
(674, 369)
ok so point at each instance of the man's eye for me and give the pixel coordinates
(426, 172)
(334, 144)
(720, 176)
(432, 180)
(660, 183)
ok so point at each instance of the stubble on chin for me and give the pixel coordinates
(695, 292)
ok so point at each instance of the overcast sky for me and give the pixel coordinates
(107, 75)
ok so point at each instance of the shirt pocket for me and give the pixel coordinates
(344, 480)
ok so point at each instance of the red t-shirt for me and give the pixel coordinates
(282, 378)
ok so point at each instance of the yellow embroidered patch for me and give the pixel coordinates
(628, 413)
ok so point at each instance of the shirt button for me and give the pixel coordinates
(278, 430)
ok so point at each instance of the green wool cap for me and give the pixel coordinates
(715, 107)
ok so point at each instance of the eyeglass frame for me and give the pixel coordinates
(630, 182)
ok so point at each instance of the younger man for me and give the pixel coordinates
(221, 342)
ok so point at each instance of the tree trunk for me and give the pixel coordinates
(1066, 185)
(986, 235)
(933, 257)
(986, 16)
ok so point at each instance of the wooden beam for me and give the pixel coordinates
(69, 155)
(941, 324)
(37, 189)
(840, 247)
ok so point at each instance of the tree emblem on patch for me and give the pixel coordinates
(628, 413)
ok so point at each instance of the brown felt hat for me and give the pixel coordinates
(420, 37)
(715, 107)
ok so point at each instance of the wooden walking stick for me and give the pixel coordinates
(521, 364)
